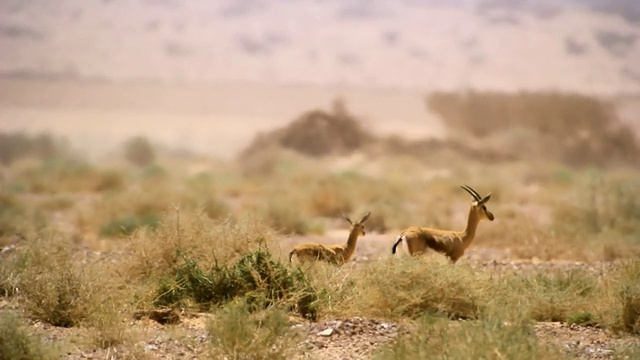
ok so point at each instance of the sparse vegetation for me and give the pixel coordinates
(572, 129)
(85, 246)
(434, 338)
(237, 333)
(54, 288)
(259, 280)
(14, 146)
(127, 224)
(139, 151)
(16, 343)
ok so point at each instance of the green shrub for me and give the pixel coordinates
(582, 319)
(262, 281)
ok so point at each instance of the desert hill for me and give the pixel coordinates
(583, 46)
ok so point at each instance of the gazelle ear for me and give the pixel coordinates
(364, 218)
(485, 199)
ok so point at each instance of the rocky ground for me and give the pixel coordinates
(353, 338)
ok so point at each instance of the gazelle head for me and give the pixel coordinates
(358, 226)
(478, 205)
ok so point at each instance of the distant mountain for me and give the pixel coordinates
(589, 46)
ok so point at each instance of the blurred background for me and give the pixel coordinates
(301, 111)
(208, 76)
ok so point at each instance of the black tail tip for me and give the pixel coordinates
(394, 248)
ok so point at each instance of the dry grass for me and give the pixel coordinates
(84, 230)
(238, 334)
(436, 338)
(54, 288)
(408, 288)
(17, 343)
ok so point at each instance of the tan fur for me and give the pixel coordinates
(334, 254)
(450, 243)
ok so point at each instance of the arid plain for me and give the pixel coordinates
(147, 210)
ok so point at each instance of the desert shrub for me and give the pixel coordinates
(315, 133)
(139, 151)
(127, 224)
(13, 214)
(109, 180)
(158, 253)
(14, 146)
(287, 217)
(411, 287)
(583, 318)
(630, 298)
(570, 128)
(11, 267)
(70, 175)
(105, 321)
(238, 333)
(481, 339)
(602, 209)
(55, 290)
(155, 172)
(202, 188)
(214, 207)
(548, 297)
(262, 281)
(332, 197)
(16, 343)
(626, 297)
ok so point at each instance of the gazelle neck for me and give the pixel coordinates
(351, 241)
(472, 225)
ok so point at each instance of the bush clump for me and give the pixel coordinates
(54, 288)
(262, 281)
(14, 146)
(139, 151)
(408, 288)
(316, 133)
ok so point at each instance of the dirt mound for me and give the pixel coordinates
(316, 133)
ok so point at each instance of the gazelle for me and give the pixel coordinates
(450, 243)
(335, 254)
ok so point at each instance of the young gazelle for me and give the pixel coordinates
(335, 254)
(450, 243)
